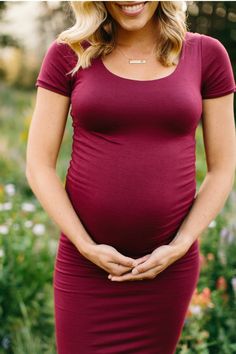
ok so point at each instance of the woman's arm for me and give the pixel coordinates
(220, 148)
(44, 141)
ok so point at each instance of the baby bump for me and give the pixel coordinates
(134, 221)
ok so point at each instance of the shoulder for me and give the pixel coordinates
(213, 49)
(203, 38)
(207, 42)
(55, 70)
(61, 51)
(217, 70)
(193, 38)
(65, 48)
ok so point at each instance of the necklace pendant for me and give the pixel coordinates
(137, 61)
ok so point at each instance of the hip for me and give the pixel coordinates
(74, 272)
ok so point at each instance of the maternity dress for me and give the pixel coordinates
(131, 180)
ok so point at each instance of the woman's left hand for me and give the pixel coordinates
(153, 264)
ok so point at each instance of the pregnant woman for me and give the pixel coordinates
(138, 84)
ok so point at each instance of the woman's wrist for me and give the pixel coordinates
(181, 245)
(85, 244)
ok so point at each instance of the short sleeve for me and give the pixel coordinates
(58, 60)
(217, 72)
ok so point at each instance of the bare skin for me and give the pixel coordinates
(44, 141)
(136, 38)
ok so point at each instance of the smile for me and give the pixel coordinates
(133, 9)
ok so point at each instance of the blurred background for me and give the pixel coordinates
(28, 239)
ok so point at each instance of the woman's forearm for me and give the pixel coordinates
(210, 199)
(52, 195)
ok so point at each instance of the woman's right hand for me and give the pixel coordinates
(109, 259)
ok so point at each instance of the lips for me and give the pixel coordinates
(123, 3)
(132, 9)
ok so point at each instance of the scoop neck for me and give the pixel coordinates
(167, 77)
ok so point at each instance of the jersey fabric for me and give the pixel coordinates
(131, 179)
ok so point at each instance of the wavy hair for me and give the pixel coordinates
(94, 24)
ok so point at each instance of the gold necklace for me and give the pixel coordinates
(135, 61)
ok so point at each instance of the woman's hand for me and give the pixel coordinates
(109, 259)
(155, 263)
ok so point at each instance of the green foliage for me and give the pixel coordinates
(212, 329)
(28, 238)
(27, 253)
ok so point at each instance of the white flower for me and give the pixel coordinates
(10, 189)
(6, 206)
(212, 224)
(38, 229)
(28, 206)
(1, 252)
(195, 309)
(4, 229)
(28, 223)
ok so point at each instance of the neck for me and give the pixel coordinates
(140, 40)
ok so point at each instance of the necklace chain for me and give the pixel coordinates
(136, 61)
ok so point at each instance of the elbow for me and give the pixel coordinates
(32, 171)
(227, 175)
(226, 169)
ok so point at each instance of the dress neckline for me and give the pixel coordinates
(167, 77)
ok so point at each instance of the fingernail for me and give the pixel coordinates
(134, 271)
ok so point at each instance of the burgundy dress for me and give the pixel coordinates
(131, 180)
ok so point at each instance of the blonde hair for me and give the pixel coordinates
(93, 24)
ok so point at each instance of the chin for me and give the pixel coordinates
(132, 26)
